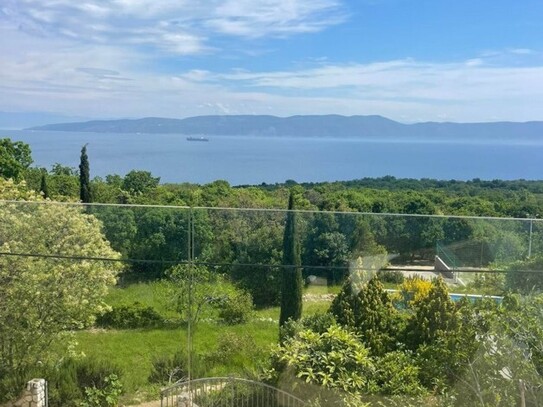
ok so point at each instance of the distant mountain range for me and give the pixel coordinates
(369, 127)
(18, 120)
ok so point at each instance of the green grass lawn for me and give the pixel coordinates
(151, 294)
(224, 350)
(220, 350)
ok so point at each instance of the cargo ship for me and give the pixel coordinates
(197, 139)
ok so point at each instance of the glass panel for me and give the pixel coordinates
(201, 294)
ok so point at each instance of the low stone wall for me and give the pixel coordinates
(35, 395)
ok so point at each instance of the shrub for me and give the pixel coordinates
(414, 290)
(167, 369)
(234, 351)
(318, 323)
(107, 396)
(236, 308)
(389, 276)
(335, 359)
(129, 317)
(369, 312)
(525, 276)
(84, 383)
(397, 374)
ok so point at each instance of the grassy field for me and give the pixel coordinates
(220, 349)
(224, 350)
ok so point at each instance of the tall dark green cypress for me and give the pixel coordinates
(84, 177)
(291, 285)
(43, 185)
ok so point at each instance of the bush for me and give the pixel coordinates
(107, 396)
(130, 317)
(318, 323)
(335, 359)
(389, 276)
(414, 290)
(167, 369)
(84, 383)
(234, 351)
(397, 374)
(236, 308)
(525, 277)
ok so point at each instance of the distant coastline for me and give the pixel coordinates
(325, 126)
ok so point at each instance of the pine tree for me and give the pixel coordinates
(291, 287)
(84, 177)
(369, 311)
(436, 316)
(43, 185)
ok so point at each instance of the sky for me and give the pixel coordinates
(409, 60)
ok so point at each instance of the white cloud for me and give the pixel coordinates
(275, 17)
(103, 81)
(102, 72)
(176, 26)
(522, 51)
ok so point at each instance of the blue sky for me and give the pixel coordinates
(410, 60)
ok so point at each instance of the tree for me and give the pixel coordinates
(526, 276)
(139, 182)
(41, 299)
(370, 312)
(84, 177)
(327, 247)
(196, 291)
(291, 287)
(63, 181)
(15, 158)
(44, 189)
(436, 315)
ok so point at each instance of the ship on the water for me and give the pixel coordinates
(197, 138)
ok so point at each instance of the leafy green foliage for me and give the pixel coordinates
(129, 317)
(168, 369)
(196, 292)
(398, 375)
(44, 189)
(435, 317)
(333, 359)
(107, 396)
(526, 276)
(236, 308)
(84, 383)
(15, 158)
(370, 312)
(42, 299)
(139, 182)
(390, 276)
(318, 323)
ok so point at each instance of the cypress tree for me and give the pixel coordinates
(43, 185)
(84, 177)
(291, 284)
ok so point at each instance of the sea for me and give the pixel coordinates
(253, 160)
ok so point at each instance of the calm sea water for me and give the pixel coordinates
(253, 160)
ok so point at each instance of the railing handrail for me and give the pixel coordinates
(232, 379)
(277, 210)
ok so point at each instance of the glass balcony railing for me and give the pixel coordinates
(395, 309)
